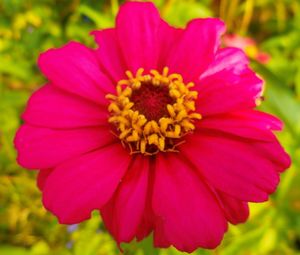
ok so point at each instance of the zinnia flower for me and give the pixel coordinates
(155, 128)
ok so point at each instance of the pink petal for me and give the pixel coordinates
(248, 124)
(40, 148)
(227, 59)
(75, 68)
(148, 218)
(274, 151)
(238, 167)
(53, 107)
(42, 177)
(235, 211)
(189, 212)
(137, 24)
(168, 39)
(109, 53)
(145, 228)
(76, 188)
(123, 213)
(196, 48)
(160, 235)
(228, 86)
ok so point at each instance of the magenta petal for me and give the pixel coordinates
(123, 213)
(232, 165)
(196, 48)
(137, 24)
(228, 85)
(275, 153)
(109, 53)
(248, 124)
(160, 236)
(42, 177)
(75, 68)
(147, 224)
(148, 218)
(168, 38)
(190, 216)
(227, 59)
(86, 183)
(53, 107)
(40, 148)
(235, 211)
(227, 92)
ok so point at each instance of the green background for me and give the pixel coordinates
(29, 27)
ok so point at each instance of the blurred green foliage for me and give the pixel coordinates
(28, 27)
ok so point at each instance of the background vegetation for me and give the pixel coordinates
(28, 27)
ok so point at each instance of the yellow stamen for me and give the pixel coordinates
(149, 136)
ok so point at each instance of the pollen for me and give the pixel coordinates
(152, 112)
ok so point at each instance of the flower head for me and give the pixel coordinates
(156, 129)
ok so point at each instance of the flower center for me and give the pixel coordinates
(152, 112)
(151, 101)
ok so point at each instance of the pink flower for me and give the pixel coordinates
(248, 45)
(156, 129)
